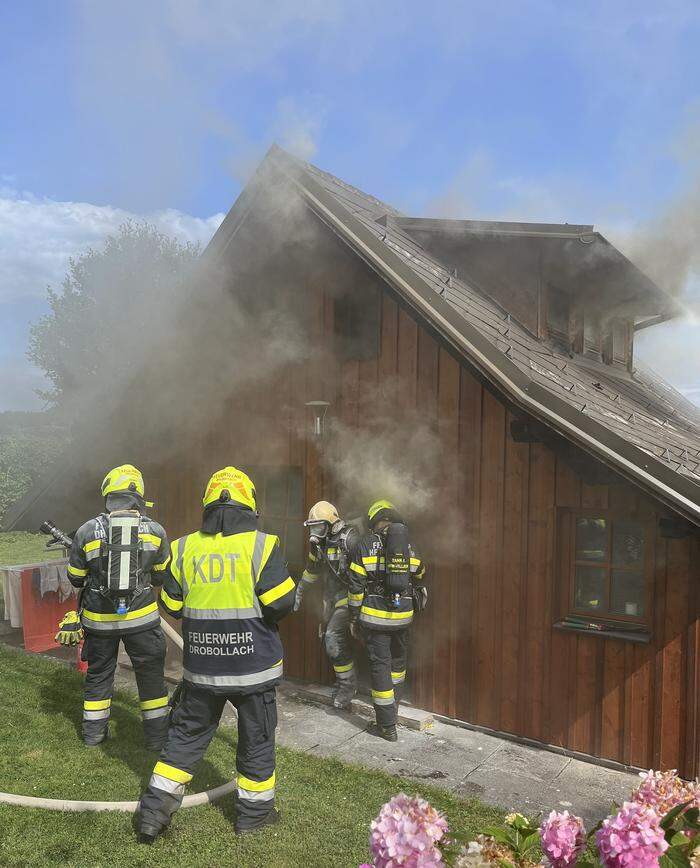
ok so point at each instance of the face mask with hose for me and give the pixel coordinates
(323, 521)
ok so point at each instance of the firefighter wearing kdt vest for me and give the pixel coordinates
(386, 584)
(331, 540)
(230, 585)
(115, 558)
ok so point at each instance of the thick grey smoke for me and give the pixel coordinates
(152, 76)
(397, 454)
(668, 248)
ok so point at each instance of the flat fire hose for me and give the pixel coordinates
(192, 801)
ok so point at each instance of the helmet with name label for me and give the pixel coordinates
(230, 484)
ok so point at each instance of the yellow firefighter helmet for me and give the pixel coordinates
(239, 486)
(125, 479)
(381, 509)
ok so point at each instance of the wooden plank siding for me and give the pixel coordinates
(485, 650)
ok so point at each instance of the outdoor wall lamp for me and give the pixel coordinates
(318, 408)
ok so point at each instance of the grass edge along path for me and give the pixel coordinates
(326, 805)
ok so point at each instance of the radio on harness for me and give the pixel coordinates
(397, 559)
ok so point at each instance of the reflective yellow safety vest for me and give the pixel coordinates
(230, 592)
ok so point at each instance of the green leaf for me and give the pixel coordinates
(530, 842)
(596, 828)
(460, 837)
(690, 818)
(497, 834)
(669, 818)
(675, 857)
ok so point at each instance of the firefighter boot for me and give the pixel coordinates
(343, 693)
(388, 733)
(269, 820)
(148, 834)
(148, 827)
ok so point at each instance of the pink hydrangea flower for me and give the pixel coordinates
(633, 837)
(563, 837)
(405, 833)
(662, 791)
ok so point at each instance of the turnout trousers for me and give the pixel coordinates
(338, 645)
(387, 650)
(194, 722)
(146, 651)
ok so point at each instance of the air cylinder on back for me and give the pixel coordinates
(123, 556)
(398, 559)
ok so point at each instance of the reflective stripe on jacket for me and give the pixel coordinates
(88, 564)
(366, 590)
(230, 592)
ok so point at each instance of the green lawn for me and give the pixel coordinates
(326, 805)
(20, 547)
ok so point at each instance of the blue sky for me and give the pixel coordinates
(584, 112)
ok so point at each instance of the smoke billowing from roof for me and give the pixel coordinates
(668, 247)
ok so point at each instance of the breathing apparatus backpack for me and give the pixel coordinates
(122, 580)
(397, 559)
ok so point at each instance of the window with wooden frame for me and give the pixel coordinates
(605, 569)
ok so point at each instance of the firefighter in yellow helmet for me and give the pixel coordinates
(230, 585)
(331, 540)
(386, 586)
(115, 558)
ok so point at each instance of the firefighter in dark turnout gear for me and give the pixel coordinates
(230, 585)
(386, 584)
(121, 548)
(331, 540)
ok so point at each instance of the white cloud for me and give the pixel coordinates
(39, 235)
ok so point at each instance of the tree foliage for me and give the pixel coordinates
(108, 305)
(28, 446)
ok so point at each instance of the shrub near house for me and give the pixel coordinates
(657, 826)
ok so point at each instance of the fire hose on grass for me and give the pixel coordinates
(191, 801)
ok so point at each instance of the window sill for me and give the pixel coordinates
(640, 637)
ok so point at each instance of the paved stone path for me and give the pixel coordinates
(468, 763)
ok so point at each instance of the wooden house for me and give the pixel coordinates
(566, 610)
